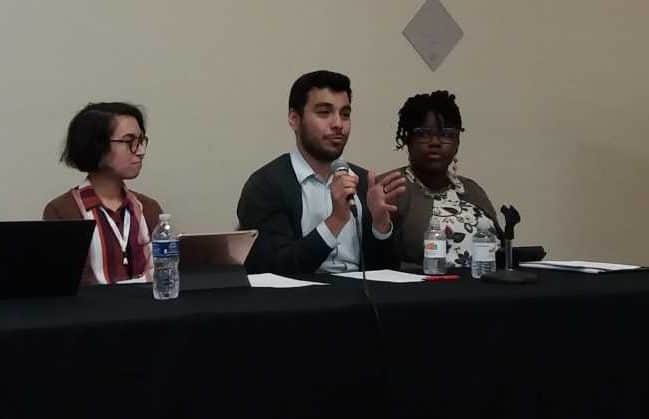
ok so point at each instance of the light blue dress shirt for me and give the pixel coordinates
(317, 207)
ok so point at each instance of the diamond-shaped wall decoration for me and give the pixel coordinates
(433, 33)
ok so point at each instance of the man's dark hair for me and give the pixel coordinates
(320, 79)
(89, 133)
(413, 114)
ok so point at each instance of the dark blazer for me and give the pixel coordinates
(271, 202)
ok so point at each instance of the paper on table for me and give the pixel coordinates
(140, 280)
(579, 265)
(385, 275)
(277, 281)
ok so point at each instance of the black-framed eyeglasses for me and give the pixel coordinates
(134, 143)
(425, 135)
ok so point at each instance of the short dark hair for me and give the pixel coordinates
(413, 113)
(89, 132)
(321, 79)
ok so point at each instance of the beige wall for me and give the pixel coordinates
(553, 93)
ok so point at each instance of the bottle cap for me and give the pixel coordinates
(165, 217)
(483, 224)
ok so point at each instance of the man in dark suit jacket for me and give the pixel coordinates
(302, 210)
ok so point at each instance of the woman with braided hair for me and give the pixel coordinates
(429, 128)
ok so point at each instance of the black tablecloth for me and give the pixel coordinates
(571, 345)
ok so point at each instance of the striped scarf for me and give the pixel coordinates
(96, 269)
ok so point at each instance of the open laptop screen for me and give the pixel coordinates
(198, 251)
(43, 258)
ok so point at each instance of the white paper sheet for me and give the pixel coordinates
(140, 280)
(277, 281)
(385, 275)
(579, 265)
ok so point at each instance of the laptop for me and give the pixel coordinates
(215, 260)
(43, 258)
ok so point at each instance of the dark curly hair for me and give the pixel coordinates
(413, 113)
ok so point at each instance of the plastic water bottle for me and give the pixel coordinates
(483, 257)
(434, 248)
(166, 278)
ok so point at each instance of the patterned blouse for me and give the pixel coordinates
(459, 217)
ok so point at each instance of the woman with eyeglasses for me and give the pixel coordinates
(429, 128)
(108, 142)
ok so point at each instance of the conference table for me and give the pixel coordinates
(571, 345)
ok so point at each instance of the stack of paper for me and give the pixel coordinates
(579, 266)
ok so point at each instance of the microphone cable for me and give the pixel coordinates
(383, 368)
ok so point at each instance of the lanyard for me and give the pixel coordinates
(122, 238)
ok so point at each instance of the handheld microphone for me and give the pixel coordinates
(341, 165)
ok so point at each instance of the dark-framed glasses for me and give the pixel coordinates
(425, 135)
(134, 143)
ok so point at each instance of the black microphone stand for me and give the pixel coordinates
(509, 275)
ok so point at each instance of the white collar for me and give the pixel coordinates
(301, 167)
